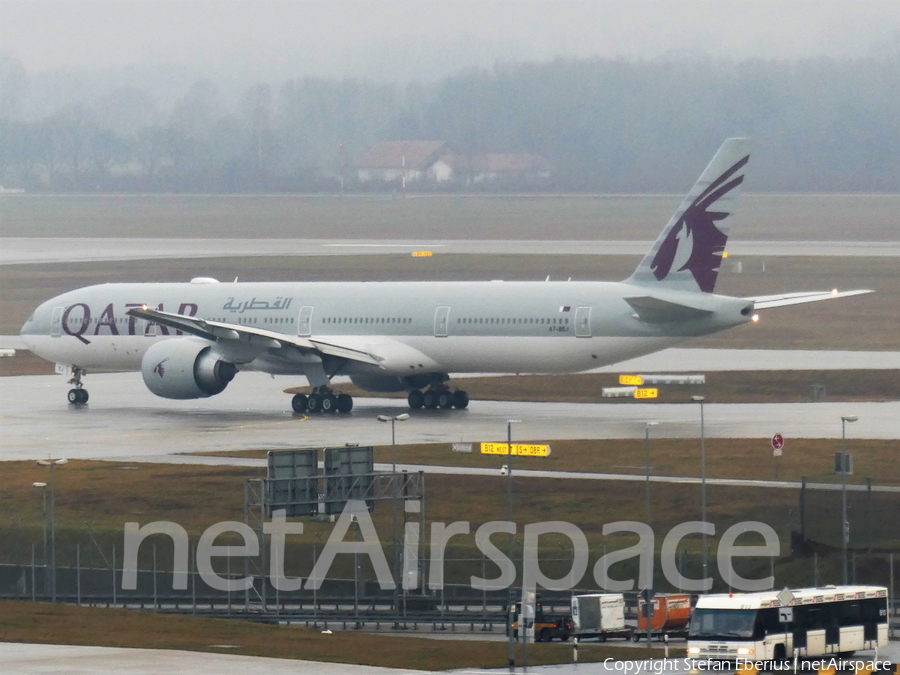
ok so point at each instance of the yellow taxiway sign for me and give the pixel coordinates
(525, 449)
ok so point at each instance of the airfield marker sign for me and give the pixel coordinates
(521, 449)
(631, 379)
(777, 446)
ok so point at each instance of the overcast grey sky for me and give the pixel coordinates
(397, 39)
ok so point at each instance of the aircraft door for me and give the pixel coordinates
(583, 322)
(441, 321)
(304, 322)
(56, 322)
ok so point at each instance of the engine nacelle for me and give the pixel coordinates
(185, 368)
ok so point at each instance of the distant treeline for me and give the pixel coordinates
(606, 125)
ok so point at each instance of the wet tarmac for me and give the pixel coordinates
(124, 420)
(31, 659)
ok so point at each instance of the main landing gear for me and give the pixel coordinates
(78, 395)
(438, 397)
(322, 400)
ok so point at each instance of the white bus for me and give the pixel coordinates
(814, 622)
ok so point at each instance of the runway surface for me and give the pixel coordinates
(683, 360)
(124, 420)
(31, 659)
(23, 250)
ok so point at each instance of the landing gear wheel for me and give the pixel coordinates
(78, 396)
(314, 403)
(460, 399)
(329, 403)
(344, 403)
(430, 399)
(415, 399)
(299, 403)
(445, 399)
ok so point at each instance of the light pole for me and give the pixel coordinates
(647, 466)
(845, 526)
(511, 641)
(43, 487)
(700, 400)
(397, 573)
(52, 463)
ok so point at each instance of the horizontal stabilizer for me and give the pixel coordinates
(654, 310)
(785, 299)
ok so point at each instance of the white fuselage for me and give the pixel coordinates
(446, 327)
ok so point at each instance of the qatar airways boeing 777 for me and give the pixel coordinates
(189, 340)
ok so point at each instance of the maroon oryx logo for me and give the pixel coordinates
(695, 241)
(158, 368)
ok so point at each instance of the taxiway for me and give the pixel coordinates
(31, 250)
(124, 420)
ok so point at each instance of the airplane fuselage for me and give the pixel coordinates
(415, 327)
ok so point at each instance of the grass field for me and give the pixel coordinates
(64, 624)
(759, 216)
(867, 322)
(726, 457)
(95, 499)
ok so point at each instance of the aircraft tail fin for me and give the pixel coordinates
(688, 253)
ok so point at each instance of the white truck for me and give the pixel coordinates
(599, 615)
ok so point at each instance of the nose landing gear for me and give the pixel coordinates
(78, 395)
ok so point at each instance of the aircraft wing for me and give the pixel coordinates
(785, 299)
(217, 331)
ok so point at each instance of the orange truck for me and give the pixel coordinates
(671, 616)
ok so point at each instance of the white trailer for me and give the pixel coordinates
(599, 615)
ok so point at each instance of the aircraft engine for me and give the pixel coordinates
(185, 368)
